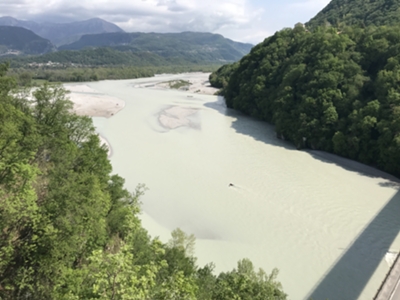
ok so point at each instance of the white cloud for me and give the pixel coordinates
(191, 16)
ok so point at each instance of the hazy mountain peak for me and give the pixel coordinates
(17, 40)
(63, 33)
(8, 19)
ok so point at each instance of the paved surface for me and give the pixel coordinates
(396, 293)
(390, 289)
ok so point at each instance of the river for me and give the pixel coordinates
(325, 222)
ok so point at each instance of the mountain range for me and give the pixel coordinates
(165, 48)
(63, 33)
(20, 40)
(191, 45)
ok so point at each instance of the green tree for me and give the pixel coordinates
(244, 283)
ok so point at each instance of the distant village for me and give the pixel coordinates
(51, 64)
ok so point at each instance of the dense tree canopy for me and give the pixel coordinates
(69, 229)
(39, 75)
(332, 90)
(357, 12)
(100, 64)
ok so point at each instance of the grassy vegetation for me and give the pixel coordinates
(177, 84)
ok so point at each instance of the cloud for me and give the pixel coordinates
(172, 5)
(139, 15)
(185, 15)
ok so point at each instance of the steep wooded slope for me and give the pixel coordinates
(188, 45)
(358, 12)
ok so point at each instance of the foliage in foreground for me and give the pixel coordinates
(331, 90)
(69, 229)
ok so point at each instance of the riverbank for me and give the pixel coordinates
(106, 143)
(89, 102)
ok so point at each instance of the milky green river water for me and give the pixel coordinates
(326, 223)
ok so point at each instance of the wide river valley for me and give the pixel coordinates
(330, 225)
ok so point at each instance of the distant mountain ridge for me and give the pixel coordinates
(107, 44)
(358, 12)
(189, 45)
(63, 33)
(22, 40)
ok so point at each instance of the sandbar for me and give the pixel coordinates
(177, 116)
(89, 102)
(199, 83)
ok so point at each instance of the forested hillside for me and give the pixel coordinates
(191, 46)
(130, 55)
(96, 57)
(358, 12)
(69, 229)
(327, 89)
(99, 64)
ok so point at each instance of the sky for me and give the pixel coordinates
(249, 21)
